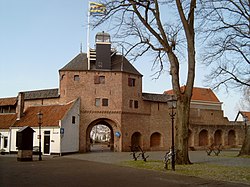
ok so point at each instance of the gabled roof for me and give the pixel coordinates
(155, 97)
(51, 115)
(41, 94)
(244, 114)
(200, 94)
(7, 120)
(8, 101)
(118, 63)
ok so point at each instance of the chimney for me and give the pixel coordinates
(20, 105)
(103, 51)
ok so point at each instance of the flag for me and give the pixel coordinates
(96, 8)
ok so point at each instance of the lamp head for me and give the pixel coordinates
(172, 102)
(40, 117)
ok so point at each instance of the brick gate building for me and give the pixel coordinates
(109, 90)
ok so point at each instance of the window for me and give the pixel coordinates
(99, 79)
(76, 78)
(131, 82)
(130, 103)
(136, 104)
(102, 79)
(5, 142)
(73, 119)
(105, 102)
(97, 101)
(62, 76)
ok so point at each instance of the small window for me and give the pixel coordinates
(96, 79)
(136, 104)
(97, 101)
(73, 119)
(105, 102)
(130, 103)
(5, 142)
(76, 78)
(102, 79)
(62, 76)
(99, 79)
(131, 82)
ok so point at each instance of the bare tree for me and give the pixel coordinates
(153, 26)
(227, 25)
(245, 104)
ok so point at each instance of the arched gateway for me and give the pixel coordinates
(113, 140)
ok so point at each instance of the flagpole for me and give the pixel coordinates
(88, 48)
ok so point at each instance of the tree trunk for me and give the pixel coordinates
(245, 149)
(181, 137)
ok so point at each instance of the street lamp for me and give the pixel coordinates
(172, 105)
(40, 116)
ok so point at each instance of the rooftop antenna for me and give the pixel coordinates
(81, 47)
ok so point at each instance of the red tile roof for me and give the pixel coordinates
(245, 114)
(200, 94)
(8, 101)
(6, 120)
(51, 115)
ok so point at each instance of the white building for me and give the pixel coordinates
(59, 124)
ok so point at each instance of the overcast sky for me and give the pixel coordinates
(38, 37)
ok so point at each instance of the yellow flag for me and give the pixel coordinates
(97, 8)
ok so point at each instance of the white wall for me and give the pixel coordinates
(54, 138)
(5, 133)
(70, 138)
(59, 143)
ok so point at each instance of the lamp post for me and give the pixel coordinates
(40, 116)
(172, 105)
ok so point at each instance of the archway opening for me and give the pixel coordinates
(155, 140)
(203, 138)
(231, 138)
(218, 137)
(100, 137)
(136, 139)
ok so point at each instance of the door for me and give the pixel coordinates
(46, 142)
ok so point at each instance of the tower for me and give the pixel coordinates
(103, 51)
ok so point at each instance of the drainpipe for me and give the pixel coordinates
(60, 137)
(9, 140)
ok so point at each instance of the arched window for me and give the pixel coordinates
(203, 138)
(136, 139)
(231, 138)
(218, 137)
(155, 140)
